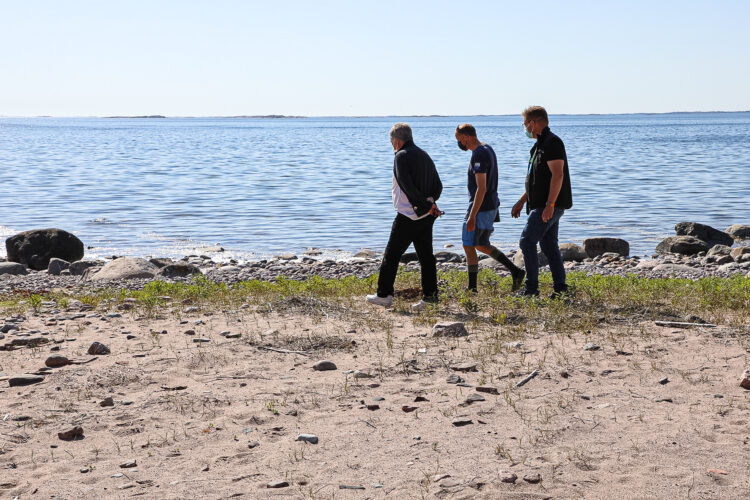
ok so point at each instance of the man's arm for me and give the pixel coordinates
(418, 200)
(478, 199)
(556, 168)
(515, 212)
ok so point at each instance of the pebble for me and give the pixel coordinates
(465, 367)
(533, 478)
(347, 487)
(508, 477)
(454, 379)
(201, 340)
(191, 309)
(308, 438)
(107, 402)
(487, 389)
(23, 380)
(591, 347)
(745, 380)
(460, 422)
(408, 409)
(474, 398)
(98, 348)
(324, 365)
(253, 444)
(277, 484)
(71, 434)
(664, 381)
(129, 464)
(189, 332)
(449, 329)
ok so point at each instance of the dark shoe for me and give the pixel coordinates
(561, 295)
(526, 295)
(472, 290)
(518, 277)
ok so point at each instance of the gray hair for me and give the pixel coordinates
(401, 131)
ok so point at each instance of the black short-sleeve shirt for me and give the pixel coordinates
(548, 147)
(484, 161)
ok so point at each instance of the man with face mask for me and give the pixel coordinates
(416, 188)
(483, 207)
(548, 194)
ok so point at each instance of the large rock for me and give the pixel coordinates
(448, 257)
(518, 259)
(685, 245)
(409, 257)
(572, 252)
(595, 247)
(718, 250)
(56, 266)
(35, 248)
(739, 231)
(12, 268)
(737, 253)
(179, 270)
(703, 232)
(126, 268)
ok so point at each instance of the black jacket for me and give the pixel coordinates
(417, 177)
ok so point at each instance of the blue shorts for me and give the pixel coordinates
(480, 236)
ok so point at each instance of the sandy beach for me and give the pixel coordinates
(201, 399)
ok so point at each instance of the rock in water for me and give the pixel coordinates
(126, 268)
(56, 266)
(35, 248)
(98, 348)
(685, 245)
(595, 247)
(703, 232)
(739, 231)
(449, 329)
(13, 268)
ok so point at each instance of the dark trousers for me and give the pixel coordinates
(404, 232)
(544, 233)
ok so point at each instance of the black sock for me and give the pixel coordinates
(473, 271)
(502, 259)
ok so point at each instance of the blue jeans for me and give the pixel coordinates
(544, 233)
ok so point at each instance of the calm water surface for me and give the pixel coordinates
(257, 187)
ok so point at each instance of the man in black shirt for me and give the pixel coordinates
(548, 194)
(416, 188)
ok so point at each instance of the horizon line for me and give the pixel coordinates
(281, 116)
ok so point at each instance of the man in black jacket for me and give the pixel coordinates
(548, 194)
(416, 188)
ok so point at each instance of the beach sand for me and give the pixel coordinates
(220, 419)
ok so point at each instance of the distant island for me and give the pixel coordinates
(144, 116)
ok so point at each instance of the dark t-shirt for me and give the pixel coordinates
(548, 147)
(484, 161)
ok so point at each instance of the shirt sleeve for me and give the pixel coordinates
(480, 161)
(554, 150)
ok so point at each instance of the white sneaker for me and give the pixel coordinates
(380, 301)
(420, 306)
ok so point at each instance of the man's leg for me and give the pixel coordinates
(422, 237)
(472, 261)
(550, 248)
(516, 272)
(531, 235)
(398, 242)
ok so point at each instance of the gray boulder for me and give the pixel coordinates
(572, 252)
(161, 262)
(737, 253)
(449, 329)
(595, 247)
(739, 231)
(126, 268)
(518, 259)
(35, 248)
(448, 257)
(703, 232)
(718, 250)
(79, 267)
(12, 268)
(56, 266)
(409, 257)
(179, 270)
(685, 245)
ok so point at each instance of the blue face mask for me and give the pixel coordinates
(528, 134)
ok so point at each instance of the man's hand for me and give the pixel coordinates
(471, 224)
(515, 212)
(548, 213)
(435, 211)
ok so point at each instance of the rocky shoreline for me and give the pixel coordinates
(697, 251)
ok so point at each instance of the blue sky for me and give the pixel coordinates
(189, 58)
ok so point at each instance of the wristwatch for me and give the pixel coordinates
(551, 204)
